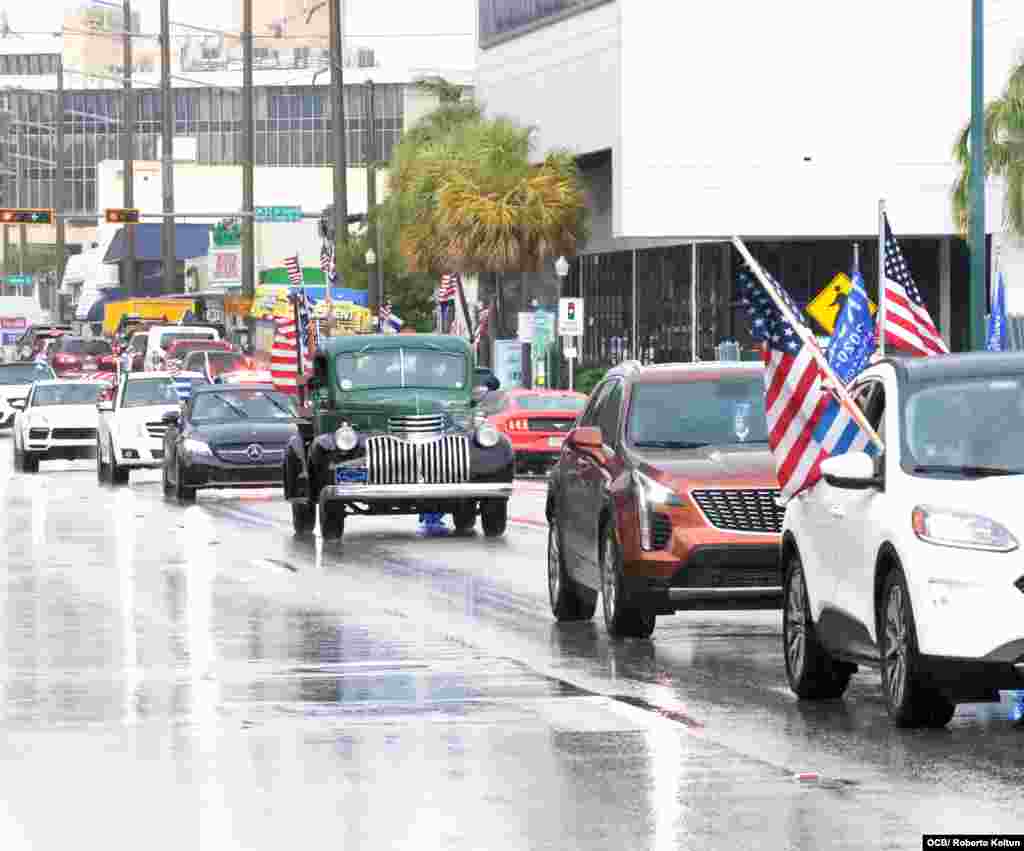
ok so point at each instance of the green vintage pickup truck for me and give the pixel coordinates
(394, 430)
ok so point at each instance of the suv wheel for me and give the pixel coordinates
(569, 602)
(494, 517)
(464, 517)
(181, 490)
(29, 462)
(909, 701)
(332, 521)
(621, 619)
(303, 517)
(812, 673)
(118, 473)
(101, 468)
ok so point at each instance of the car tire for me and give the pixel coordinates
(168, 487)
(29, 462)
(303, 517)
(464, 518)
(118, 473)
(332, 521)
(494, 517)
(908, 698)
(101, 468)
(181, 491)
(622, 618)
(811, 671)
(569, 602)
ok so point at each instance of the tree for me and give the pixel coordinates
(467, 196)
(1004, 154)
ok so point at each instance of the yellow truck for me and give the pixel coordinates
(171, 309)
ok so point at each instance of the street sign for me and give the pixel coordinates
(18, 280)
(278, 214)
(570, 317)
(24, 216)
(570, 352)
(825, 306)
(121, 216)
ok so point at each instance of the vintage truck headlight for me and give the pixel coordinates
(487, 435)
(960, 529)
(346, 438)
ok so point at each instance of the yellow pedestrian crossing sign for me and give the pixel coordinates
(825, 306)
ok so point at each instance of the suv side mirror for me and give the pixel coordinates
(851, 471)
(19, 404)
(586, 437)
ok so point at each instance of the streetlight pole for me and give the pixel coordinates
(376, 290)
(336, 24)
(167, 227)
(371, 262)
(976, 300)
(562, 270)
(58, 186)
(128, 150)
(248, 153)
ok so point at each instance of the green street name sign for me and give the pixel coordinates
(18, 279)
(278, 214)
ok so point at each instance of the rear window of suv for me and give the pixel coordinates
(685, 414)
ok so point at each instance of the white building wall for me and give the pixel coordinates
(562, 79)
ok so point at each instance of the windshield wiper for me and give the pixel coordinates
(279, 406)
(966, 470)
(669, 444)
(238, 410)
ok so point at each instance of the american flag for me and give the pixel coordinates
(284, 357)
(447, 291)
(482, 321)
(806, 422)
(387, 316)
(908, 325)
(294, 270)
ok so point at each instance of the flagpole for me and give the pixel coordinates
(812, 346)
(881, 277)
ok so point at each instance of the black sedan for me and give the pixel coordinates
(227, 437)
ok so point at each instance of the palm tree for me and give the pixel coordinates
(470, 199)
(1004, 154)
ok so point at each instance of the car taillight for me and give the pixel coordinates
(518, 425)
(63, 358)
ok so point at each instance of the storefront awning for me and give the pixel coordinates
(192, 240)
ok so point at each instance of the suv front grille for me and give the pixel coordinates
(74, 433)
(390, 461)
(429, 425)
(156, 429)
(238, 453)
(38, 433)
(741, 510)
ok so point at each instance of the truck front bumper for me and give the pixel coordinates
(419, 493)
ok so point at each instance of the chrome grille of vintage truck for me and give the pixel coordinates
(393, 461)
(419, 426)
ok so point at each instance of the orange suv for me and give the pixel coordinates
(664, 498)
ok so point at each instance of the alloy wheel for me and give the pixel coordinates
(554, 563)
(896, 646)
(796, 622)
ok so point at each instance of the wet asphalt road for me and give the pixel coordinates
(195, 677)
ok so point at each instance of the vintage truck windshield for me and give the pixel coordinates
(401, 368)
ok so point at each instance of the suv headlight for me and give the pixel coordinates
(487, 435)
(196, 447)
(346, 438)
(947, 528)
(649, 494)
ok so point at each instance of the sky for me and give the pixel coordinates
(420, 33)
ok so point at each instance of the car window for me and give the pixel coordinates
(67, 393)
(139, 343)
(589, 417)
(610, 415)
(401, 368)
(149, 391)
(71, 345)
(550, 402)
(24, 373)
(870, 398)
(97, 347)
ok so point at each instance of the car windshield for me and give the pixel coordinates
(969, 427)
(149, 391)
(727, 410)
(550, 403)
(97, 347)
(200, 336)
(66, 394)
(180, 347)
(71, 345)
(242, 404)
(139, 343)
(24, 373)
(401, 368)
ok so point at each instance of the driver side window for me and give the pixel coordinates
(589, 417)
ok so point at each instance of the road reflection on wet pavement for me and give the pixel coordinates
(196, 677)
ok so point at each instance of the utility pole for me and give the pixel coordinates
(167, 226)
(128, 151)
(977, 297)
(336, 24)
(248, 154)
(375, 287)
(21, 197)
(58, 186)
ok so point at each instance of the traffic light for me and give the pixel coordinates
(571, 311)
(20, 216)
(118, 216)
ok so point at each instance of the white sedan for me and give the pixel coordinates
(912, 562)
(131, 426)
(16, 379)
(58, 421)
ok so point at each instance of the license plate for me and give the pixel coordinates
(350, 475)
(555, 441)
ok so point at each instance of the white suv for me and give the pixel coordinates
(911, 562)
(131, 426)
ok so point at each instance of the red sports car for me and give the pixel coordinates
(536, 421)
